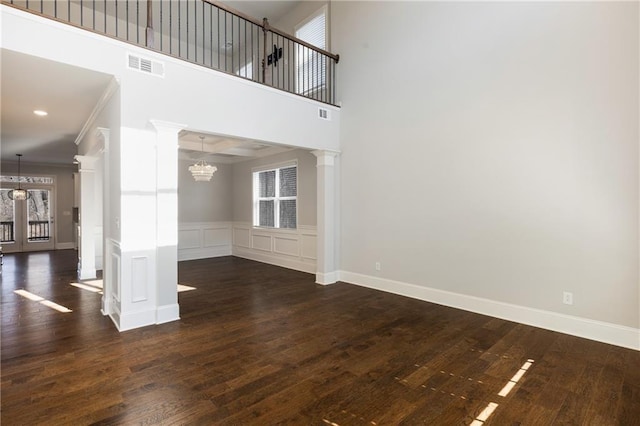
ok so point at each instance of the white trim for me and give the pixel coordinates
(136, 319)
(614, 334)
(167, 313)
(203, 253)
(277, 260)
(273, 166)
(193, 242)
(104, 99)
(65, 246)
(298, 256)
(326, 278)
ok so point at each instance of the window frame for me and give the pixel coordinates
(299, 88)
(255, 179)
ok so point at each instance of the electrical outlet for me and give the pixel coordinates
(567, 298)
(377, 266)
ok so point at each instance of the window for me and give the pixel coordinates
(27, 179)
(246, 70)
(311, 66)
(275, 197)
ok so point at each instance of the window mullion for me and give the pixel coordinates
(276, 204)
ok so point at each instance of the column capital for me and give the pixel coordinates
(87, 163)
(324, 157)
(102, 134)
(166, 126)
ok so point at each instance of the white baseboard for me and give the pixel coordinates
(87, 274)
(132, 320)
(204, 253)
(614, 334)
(167, 313)
(65, 246)
(326, 278)
(282, 261)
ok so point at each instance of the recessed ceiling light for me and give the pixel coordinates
(40, 112)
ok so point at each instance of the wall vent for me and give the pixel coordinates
(145, 65)
(323, 114)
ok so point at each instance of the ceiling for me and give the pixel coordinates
(273, 10)
(69, 94)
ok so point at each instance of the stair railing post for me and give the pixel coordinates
(149, 29)
(265, 29)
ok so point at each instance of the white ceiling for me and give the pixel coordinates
(270, 9)
(224, 149)
(69, 94)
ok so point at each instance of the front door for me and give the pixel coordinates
(27, 225)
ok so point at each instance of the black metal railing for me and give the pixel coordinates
(6, 232)
(38, 230)
(208, 33)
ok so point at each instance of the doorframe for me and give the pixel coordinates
(21, 243)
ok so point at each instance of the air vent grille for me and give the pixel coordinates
(145, 65)
(323, 114)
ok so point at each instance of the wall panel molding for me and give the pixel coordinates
(289, 248)
(201, 240)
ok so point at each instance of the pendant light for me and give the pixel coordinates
(201, 171)
(19, 194)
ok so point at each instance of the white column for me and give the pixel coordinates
(107, 281)
(167, 221)
(325, 268)
(87, 250)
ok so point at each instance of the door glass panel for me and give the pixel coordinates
(7, 215)
(38, 215)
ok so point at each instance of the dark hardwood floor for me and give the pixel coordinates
(262, 345)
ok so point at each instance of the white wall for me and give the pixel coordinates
(204, 213)
(490, 151)
(200, 98)
(204, 201)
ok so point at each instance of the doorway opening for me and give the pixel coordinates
(28, 225)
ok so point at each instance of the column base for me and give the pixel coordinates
(167, 313)
(326, 278)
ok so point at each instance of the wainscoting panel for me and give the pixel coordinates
(216, 237)
(203, 240)
(286, 245)
(289, 248)
(261, 242)
(139, 280)
(308, 245)
(189, 239)
(241, 236)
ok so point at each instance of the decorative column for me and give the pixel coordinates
(86, 236)
(325, 268)
(107, 281)
(167, 308)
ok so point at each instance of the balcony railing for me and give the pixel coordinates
(6, 232)
(38, 231)
(205, 32)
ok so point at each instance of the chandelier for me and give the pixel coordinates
(201, 171)
(19, 194)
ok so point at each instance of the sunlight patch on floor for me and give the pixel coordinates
(182, 288)
(34, 297)
(94, 283)
(87, 287)
(490, 408)
(484, 415)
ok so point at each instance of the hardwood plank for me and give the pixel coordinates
(258, 344)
